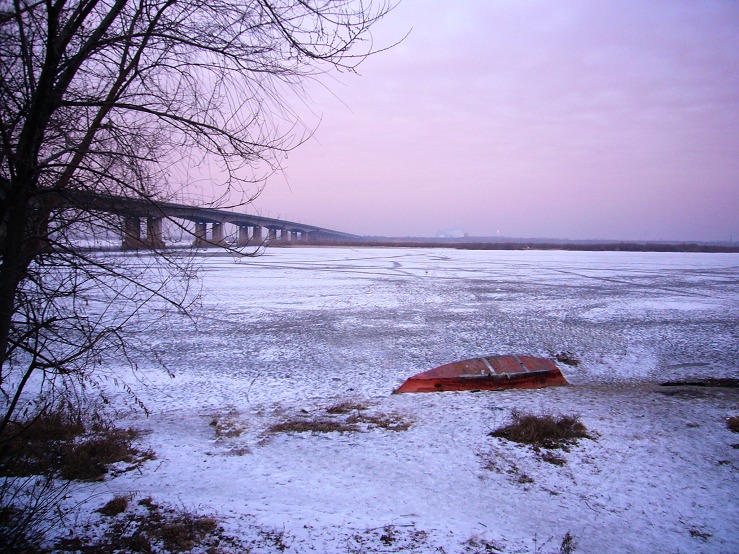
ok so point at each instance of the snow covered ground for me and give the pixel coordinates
(295, 331)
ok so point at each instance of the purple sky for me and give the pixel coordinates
(563, 119)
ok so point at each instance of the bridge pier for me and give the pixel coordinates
(313, 237)
(132, 239)
(131, 233)
(217, 234)
(209, 224)
(243, 239)
(154, 233)
(201, 236)
(322, 237)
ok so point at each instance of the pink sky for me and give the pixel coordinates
(573, 119)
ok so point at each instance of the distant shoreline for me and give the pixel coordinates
(514, 244)
(525, 245)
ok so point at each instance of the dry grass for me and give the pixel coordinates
(313, 426)
(29, 508)
(346, 407)
(344, 417)
(568, 358)
(60, 443)
(389, 421)
(568, 544)
(182, 533)
(525, 479)
(149, 527)
(274, 539)
(390, 538)
(733, 424)
(552, 458)
(117, 505)
(545, 431)
(710, 382)
(228, 425)
(91, 457)
(698, 534)
(496, 463)
(53, 449)
(479, 545)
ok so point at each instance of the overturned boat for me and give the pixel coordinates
(487, 373)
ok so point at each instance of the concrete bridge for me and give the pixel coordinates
(143, 214)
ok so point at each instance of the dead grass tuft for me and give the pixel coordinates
(479, 545)
(568, 544)
(117, 505)
(344, 417)
(390, 538)
(733, 424)
(60, 443)
(710, 382)
(698, 534)
(228, 425)
(183, 532)
(29, 508)
(62, 424)
(52, 449)
(496, 463)
(275, 539)
(90, 458)
(313, 426)
(552, 458)
(568, 358)
(544, 431)
(150, 527)
(389, 421)
(525, 479)
(345, 407)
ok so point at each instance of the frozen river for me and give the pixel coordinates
(325, 321)
(289, 334)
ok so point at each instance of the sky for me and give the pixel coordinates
(589, 119)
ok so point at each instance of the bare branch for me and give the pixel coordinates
(113, 97)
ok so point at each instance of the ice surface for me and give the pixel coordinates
(317, 322)
(297, 329)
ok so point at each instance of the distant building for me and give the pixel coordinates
(451, 234)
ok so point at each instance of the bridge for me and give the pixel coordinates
(144, 214)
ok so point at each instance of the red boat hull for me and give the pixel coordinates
(487, 373)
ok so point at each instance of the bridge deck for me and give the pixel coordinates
(142, 207)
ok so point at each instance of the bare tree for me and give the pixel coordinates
(108, 97)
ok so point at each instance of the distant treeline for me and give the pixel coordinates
(573, 246)
(607, 247)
